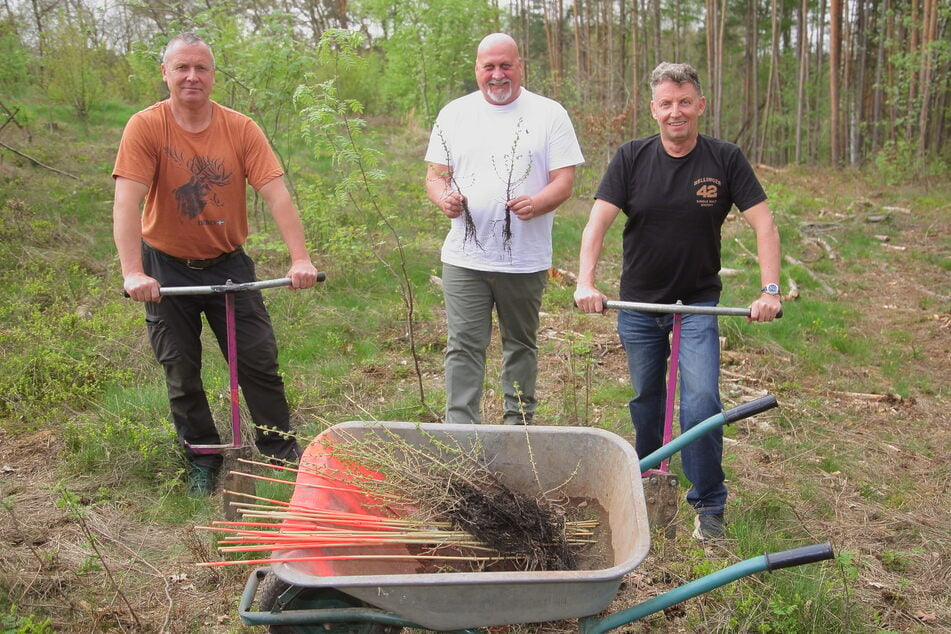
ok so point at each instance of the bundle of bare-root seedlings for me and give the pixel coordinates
(440, 501)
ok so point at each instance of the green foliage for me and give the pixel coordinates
(578, 372)
(420, 55)
(49, 323)
(78, 67)
(124, 451)
(806, 599)
(430, 49)
(352, 209)
(259, 74)
(895, 561)
(143, 79)
(333, 231)
(14, 73)
(50, 366)
(14, 623)
(333, 126)
(901, 161)
(332, 209)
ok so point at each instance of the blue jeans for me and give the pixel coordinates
(470, 297)
(645, 337)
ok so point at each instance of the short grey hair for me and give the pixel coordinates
(678, 73)
(186, 39)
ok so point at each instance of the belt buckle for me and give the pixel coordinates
(189, 264)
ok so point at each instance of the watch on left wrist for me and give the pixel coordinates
(771, 289)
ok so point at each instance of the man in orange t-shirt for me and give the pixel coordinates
(180, 219)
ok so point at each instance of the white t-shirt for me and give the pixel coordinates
(497, 153)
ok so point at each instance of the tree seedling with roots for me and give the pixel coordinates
(507, 173)
(471, 235)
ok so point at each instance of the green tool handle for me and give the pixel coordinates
(794, 557)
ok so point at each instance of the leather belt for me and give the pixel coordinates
(207, 262)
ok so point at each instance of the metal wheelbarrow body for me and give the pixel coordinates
(590, 463)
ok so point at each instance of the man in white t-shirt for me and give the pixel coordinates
(500, 161)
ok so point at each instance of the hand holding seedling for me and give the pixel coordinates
(523, 207)
(452, 204)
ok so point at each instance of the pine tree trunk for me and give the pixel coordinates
(835, 55)
(803, 75)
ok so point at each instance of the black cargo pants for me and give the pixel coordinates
(174, 327)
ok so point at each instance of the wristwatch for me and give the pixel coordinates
(772, 289)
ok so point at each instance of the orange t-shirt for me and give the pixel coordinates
(196, 206)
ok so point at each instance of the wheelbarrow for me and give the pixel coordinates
(661, 486)
(301, 592)
(236, 449)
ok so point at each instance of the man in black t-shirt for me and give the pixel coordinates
(676, 189)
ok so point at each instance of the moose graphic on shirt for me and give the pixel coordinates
(197, 193)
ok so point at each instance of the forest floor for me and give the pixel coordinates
(871, 477)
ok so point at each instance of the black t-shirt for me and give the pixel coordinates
(675, 207)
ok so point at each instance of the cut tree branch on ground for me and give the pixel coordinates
(36, 162)
(860, 396)
(793, 292)
(868, 397)
(825, 287)
(830, 252)
(12, 116)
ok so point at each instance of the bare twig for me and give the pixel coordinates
(793, 292)
(830, 252)
(135, 554)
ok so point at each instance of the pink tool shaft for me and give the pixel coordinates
(671, 386)
(233, 370)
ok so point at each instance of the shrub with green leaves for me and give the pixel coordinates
(15, 623)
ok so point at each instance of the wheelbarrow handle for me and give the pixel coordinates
(799, 556)
(745, 410)
(682, 309)
(794, 557)
(704, 427)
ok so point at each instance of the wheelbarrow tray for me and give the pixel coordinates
(587, 463)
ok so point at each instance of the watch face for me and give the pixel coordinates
(772, 289)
